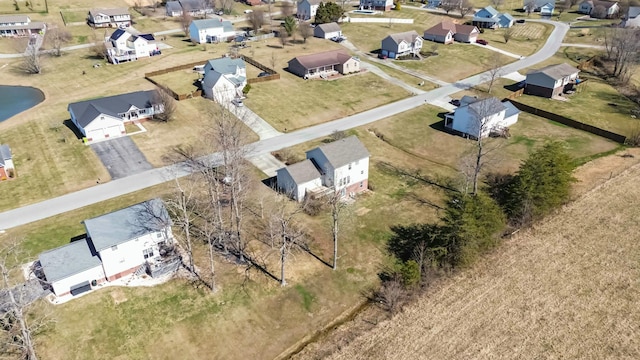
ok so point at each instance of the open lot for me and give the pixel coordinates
(525, 39)
(180, 81)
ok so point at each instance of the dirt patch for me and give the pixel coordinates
(118, 296)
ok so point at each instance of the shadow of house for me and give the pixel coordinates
(71, 126)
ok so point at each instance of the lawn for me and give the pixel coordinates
(407, 79)
(525, 39)
(180, 81)
(368, 37)
(9, 7)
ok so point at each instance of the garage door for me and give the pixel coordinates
(112, 131)
(80, 288)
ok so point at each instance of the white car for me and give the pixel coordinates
(237, 102)
(248, 11)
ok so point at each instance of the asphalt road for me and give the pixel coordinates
(115, 188)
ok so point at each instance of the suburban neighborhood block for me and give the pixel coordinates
(211, 31)
(324, 64)
(124, 46)
(6, 163)
(327, 31)
(402, 44)
(117, 17)
(480, 117)
(544, 7)
(224, 79)
(551, 81)
(20, 25)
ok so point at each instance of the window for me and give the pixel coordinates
(114, 248)
(348, 180)
(158, 235)
(361, 183)
(349, 166)
(147, 253)
(361, 172)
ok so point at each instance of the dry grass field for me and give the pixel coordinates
(525, 40)
(567, 288)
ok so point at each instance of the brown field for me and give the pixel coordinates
(566, 288)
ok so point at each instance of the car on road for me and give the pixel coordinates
(520, 21)
(237, 102)
(482, 42)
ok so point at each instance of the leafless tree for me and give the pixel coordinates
(572, 3)
(256, 19)
(99, 48)
(337, 207)
(286, 8)
(306, 31)
(273, 60)
(507, 34)
(181, 206)
(31, 60)
(343, 4)
(392, 295)
(270, 11)
(529, 7)
(622, 46)
(164, 101)
(497, 3)
(449, 5)
(466, 7)
(599, 12)
(283, 37)
(57, 36)
(562, 7)
(226, 6)
(495, 64)
(185, 21)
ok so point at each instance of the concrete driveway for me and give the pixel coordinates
(121, 157)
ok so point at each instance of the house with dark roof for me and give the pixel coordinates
(341, 166)
(211, 31)
(384, 5)
(599, 9)
(123, 45)
(477, 118)
(7, 169)
(324, 64)
(116, 17)
(544, 7)
(224, 79)
(105, 118)
(632, 18)
(490, 18)
(445, 31)
(20, 25)
(117, 244)
(306, 9)
(551, 81)
(401, 44)
(327, 31)
(196, 7)
(173, 8)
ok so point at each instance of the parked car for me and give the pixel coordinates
(520, 21)
(263, 74)
(237, 102)
(455, 102)
(382, 56)
(337, 39)
(248, 11)
(482, 42)
(219, 13)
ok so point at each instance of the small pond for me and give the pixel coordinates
(16, 99)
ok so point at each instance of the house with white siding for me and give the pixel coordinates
(117, 17)
(327, 31)
(477, 118)
(211, 31)
(402, 44)
(224, 79)
(306, 9)
(7, 169)
(20, 25)
(123, 45)
(384, 5)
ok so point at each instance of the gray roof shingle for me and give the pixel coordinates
(486, 107)
(303, 171)
(329, 27)
(408, 36)
(68, 260)
(226, 26)
(109, 12)
(344, 151)
(6, 19)
(557, 71)
(327, 58)
(5, 153)
(86, 111)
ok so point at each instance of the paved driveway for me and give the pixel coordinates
(121, 157)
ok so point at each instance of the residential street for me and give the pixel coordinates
(115, 188)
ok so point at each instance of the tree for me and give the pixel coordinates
(306, 31)
(283, 37)
(273, 60)
(497, 3)
(256, 19)
(56, 37)
(449, 5)
(465, 8)
(226, 6)
(185, 21)
(181, 207)
(622, 46)
(286, 9)
(163, 99)
(495, 64)
(290, 25)
(426, 244)
(529, 7)
(31, 60)
(599, 12)
(397, 5)
(328, 12)
(562, 7)
(506, 35)
(99, 48)
(337, 207)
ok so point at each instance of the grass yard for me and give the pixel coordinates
(9, 7)
(292, 103)
(180, 81)
(74, 16)
(407, 79)
(593, 36)
(525, 40)
(367, 37)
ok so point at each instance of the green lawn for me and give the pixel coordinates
(74, 16)
(180, 81)
(407, 79)
(526, 38)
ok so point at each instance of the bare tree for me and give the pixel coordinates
(449, 5)
(99, 48)
(273, 60)
(337, 207)
(497, 3)
(164, 102)
(226, 6)
(286, 8)
(562, 7)
(529, 7)
(507, 34)
(599, 12)
(256, 19)
(185, 21)
(181, 207)
(57, 36)
(306, 31)
(622, 46)
(31, 60)
(495, 64)
(465, 8)
(283, 37)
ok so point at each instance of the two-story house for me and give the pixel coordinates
(117, 244)
(384, 5)
(6, 163)
(599, 9)
(210, 31)
(402, 44)
(123, 46)
(341, 166)
(224, 79)
(306, 9)
(477, 118)
(117, 17)
(544, 7)
(20, 25)
(551, 81)
(105, 118)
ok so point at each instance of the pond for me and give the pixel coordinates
(16, 99)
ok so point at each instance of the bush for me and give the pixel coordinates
(246, 89)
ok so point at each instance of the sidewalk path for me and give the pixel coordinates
(515, 56)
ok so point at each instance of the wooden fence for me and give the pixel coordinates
(273, 75)
(515, 94)
(570, 122)
(174, 68)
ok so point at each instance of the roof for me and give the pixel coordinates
(465, 29)
(109, 12)
(191, 5)
(634, 11)
(511, 109)
(213, 23)
(68, 260)
(173, 6)
(506, 16)
(557, 71)
(344, 151)
(86, 111)
(225, 65)
(311, 2)
(408, 36)
(466, 100)
(117, 34)
(441, 29)
(489, 9)
(5, 153)
(595, 3)
(329, 27)
(303, 171)
(326, 58)
(148, 37)
(486, 107)
(14, 18)
(126, 224)
(541, 3)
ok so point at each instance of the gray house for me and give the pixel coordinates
(324, 64)
(327, 31)
(551, 81)
(402, 44)
(307, 9)
(609, 8)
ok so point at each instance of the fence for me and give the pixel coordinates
(174, 68)
(570, 122)
(273, 75)
(515, 94)
(380, 20)
(262, 37)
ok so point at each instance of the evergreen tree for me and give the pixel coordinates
(328, 12)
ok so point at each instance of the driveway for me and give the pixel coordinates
(121, 157)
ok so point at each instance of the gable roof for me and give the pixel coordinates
(507, 17)
(594, 3)
(633, 12)
(117, 34)
(303, 171)
(173, 6)
(109, 12)
(68, 260)
(510, 109)
(408, 36)
(486, 107)
(86, 111)
(540, 3)
(465, 29)
(489, 10)
(126, 224)
(327, 58)
(148, 37)
(329, 27)
(225, 65)
(444, 27)
(344, 151)
(555, 72)
(204, 24)
(14, 19)
(5, 153)
(311, 2)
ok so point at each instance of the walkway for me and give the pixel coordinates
(585, 46)
(515, 56)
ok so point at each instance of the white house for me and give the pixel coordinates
(544, 7)
(105, 117)
(490, 18)
(210, 31)
(117, 244)
(402, 44)
(327, 31)
(173, 8)
(224, 79)
(341, 166)
(19, 25)
(123, 46)
(551, 81)
(307, 9)
(631, 19)
(610, 8)
(118, 17)
(384, 5)
(6, 162)
(480, 117)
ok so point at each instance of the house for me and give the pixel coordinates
(632, 20)
(123, 46)
(307, 9)
(432, 4)
(173, 8)
(324, 64)
(20, 25)
(327, 31)
(551, 81)
(117, 17)
(211, 31)
(341, 166)
(447, 31)
(384, 5)
(196, 7)
(477, 118)
(402, 44)
(6, 163)
(137, 238)
(254, 2)
(544, 7)
(490, 18)
(106, 117)
(224, 79)
(589, 7)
